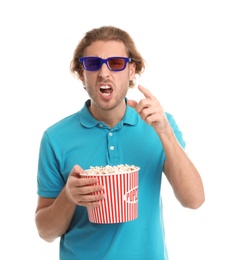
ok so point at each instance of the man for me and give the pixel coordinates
(111, 130)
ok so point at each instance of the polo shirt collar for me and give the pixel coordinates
(87, 120)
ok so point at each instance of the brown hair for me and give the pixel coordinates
(107, 33)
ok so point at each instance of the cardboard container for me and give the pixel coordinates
(121, 198)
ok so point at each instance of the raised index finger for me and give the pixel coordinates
(145, 91)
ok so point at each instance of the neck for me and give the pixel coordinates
(109, 116)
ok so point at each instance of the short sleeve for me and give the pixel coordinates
(49, 178)
(176, 130)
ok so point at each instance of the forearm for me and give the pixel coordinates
(53, 220)
(181, 173)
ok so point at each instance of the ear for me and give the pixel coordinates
(132, 70)
(81, 77)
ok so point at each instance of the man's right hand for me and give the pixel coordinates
(79, 189)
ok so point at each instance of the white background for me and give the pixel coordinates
(186, 47)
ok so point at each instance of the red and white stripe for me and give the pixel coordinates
(121, 199)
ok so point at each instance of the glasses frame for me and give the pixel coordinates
(102, 61)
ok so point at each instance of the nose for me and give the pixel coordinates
(104, 71)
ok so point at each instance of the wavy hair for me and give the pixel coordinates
(107, 33)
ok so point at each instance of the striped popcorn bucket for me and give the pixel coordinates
(121, 198)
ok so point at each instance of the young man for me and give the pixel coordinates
(111, 130)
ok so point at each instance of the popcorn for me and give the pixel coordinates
(121, 193)
(108, 169)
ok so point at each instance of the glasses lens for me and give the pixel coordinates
(92, 63)
(116, 63)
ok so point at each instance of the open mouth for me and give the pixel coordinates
(106, 90)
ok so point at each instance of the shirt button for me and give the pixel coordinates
(110, 134)
(111, 148)
(101, 125)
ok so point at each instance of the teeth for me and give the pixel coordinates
(105, 87)
(106, 90)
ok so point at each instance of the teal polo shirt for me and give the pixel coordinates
(81, 139)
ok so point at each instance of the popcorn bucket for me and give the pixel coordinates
(121, 197)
